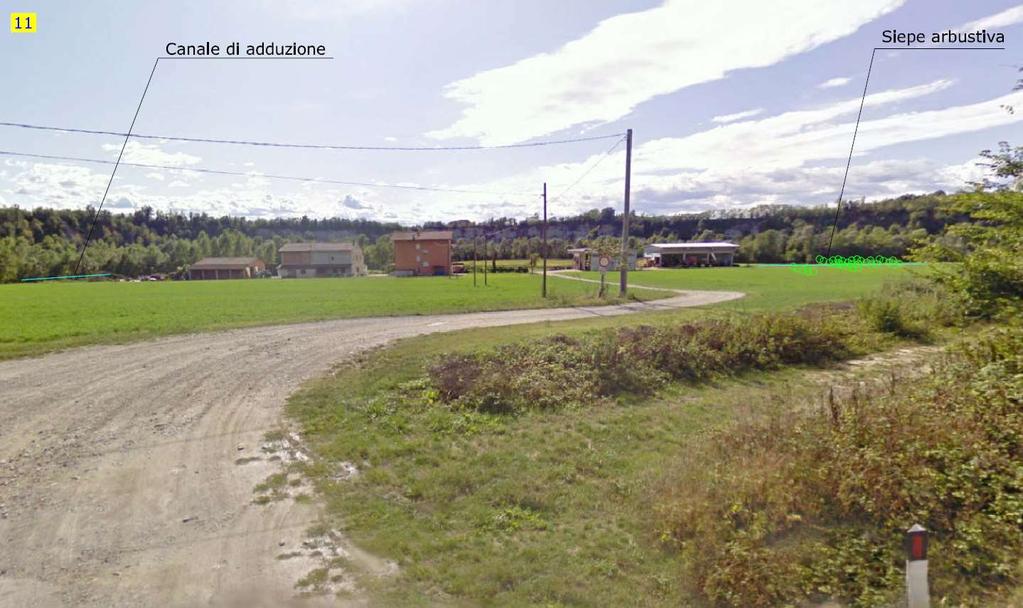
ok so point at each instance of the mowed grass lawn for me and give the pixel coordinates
(42, 317)
(771, 287)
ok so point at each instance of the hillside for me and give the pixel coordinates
(48, 242)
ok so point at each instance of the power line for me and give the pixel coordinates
(266, 175)
(591, 168)
(852, 146)
(241, 142)
(95, 216)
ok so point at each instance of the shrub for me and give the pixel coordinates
(549, 374)
(777, 511)
(885, 316)
(560, 371)
(909, 309)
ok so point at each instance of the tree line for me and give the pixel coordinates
(48, 242)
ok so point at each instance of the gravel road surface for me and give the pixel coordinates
(127, 472)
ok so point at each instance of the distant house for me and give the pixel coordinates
(586, 258)
(690, 254)
(226, 268)
(418, 253)
(307, 260)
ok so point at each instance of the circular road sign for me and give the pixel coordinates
(604, 262)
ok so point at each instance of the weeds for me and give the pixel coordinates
(910, 309)
(563, 372)
(776, 511)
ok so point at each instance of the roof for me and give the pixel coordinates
(423, 235)
(593, 250)
(225, 263)
(292, 247)
(695, 245)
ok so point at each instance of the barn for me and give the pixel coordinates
(690, 254)
(226, 268)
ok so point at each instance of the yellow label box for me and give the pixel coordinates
(23, 23)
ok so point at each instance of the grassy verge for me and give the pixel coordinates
(773, 287)
(546, 503)
(547, 510)
(42, 317)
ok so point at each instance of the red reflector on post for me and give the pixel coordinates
(917, 549)
(916, 543)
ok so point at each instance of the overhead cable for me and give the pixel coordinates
(590, 169)
(269, 144)
(256, 174)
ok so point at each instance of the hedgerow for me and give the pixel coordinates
(561, 371)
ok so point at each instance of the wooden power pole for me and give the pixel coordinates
(474, 239)
(543, 230)
(623, 286)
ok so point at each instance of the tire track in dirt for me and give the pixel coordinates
(118, 482)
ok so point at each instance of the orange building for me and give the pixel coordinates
(421, 253)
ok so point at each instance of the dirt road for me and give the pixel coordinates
(121, 475)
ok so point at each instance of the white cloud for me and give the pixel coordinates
(834, 82)
(792, 138)
(794, 157)
(724, 118)
(1010, 16)
(61, 185)
(151, 154)
(631, 58)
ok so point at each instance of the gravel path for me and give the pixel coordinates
(127, 472)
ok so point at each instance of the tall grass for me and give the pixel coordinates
(562, 372)
(788, 508)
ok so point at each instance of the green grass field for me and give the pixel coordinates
(47, 316)
(43, 317)
(771, 287)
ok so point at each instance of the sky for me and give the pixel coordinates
(732, 104)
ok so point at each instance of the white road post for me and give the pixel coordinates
(917, 593)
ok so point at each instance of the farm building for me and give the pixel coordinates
(226, 268)
(690, 254)
(422, 253)
(589, 259)
(307, 260)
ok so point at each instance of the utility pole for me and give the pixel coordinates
(544, 233)
(485, 260)
(474, 239)
(623, 287)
